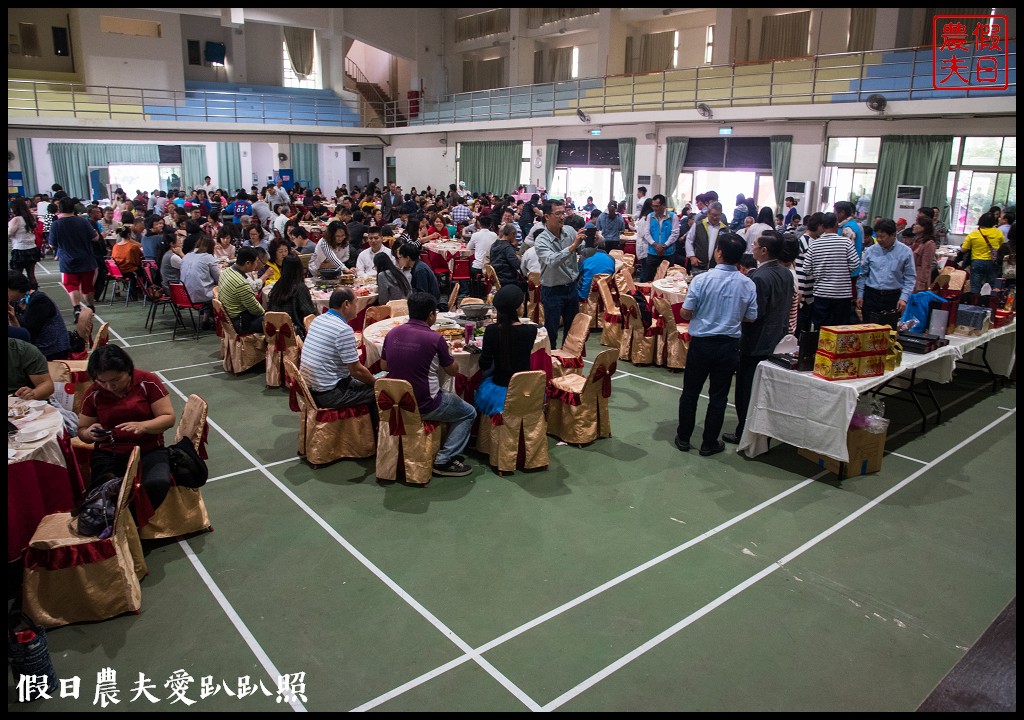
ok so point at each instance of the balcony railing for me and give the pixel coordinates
(902, 74)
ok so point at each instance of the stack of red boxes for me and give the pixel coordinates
(846, 352)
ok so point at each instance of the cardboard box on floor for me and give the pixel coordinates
(864, 448)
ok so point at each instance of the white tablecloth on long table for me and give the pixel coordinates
(808, 412)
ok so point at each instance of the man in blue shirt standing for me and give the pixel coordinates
(717, 304)
(887, 275)
(558, 251)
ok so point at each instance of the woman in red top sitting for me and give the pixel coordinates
(125, 407)
(438, 231)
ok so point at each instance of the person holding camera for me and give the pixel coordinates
(558, 249)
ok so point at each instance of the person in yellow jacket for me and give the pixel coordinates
(983, 245)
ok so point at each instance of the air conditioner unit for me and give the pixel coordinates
(909, 198)
(803, 192)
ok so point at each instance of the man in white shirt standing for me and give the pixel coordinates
(278, 195)
(364, 263)
(480, 245)
(207, 185)
(641, 193)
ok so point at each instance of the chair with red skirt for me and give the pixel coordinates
(406, 443)
(516, 438)
(282, 344)
(578, 405)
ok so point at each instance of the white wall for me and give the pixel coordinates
(264, 161)
(128, 61)
(375, 63)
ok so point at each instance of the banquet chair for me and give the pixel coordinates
(593, 305)
(611, 334)
(308, 320)
(439, 266)
(69, 577)
(304, 258)
(617, 255)
(629, 247)
(117, 281)
(624, 281)
(461, 270)
(84, 326)
(69, 385)
(328, 434)
(180, 300)
(568, 359)
(240, 352)
(662, 270)
(163, 301)
(672, 345)
(491, 281)
(102, 337)
(376, 313)
(453, 298)
(578, 405)
(183, 511)
(398, 307)
(282, 342)
(406, 444)
(638, 343)
(534, 307)
(516, 438)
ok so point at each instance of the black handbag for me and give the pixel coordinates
(29, 657)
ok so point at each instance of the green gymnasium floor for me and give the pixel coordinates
(627, 577)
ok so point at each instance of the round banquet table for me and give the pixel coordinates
(469, 376)
(315, 230)
(448, 250)
(669, 288)
(42, 475)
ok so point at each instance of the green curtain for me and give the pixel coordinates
(492, 166)
(550, 160)
(193, 165)
(101, 154)
(71, 167)
(306, 164)
(627, 164)
(675, 155)
(911, 160)
(782, 151)
(229, 167)
(28, 166)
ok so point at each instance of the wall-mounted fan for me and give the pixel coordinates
(582, 115)
(877, 102)
(704, 110)
(282, 157)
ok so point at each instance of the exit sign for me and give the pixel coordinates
(595, 132)
(725, 131)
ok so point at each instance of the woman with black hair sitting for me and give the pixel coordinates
(125, 407)
(507, 347)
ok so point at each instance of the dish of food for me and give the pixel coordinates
(31, 435)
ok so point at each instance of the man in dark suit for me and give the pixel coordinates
(390, 203)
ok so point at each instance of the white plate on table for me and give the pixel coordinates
(31, 436)
(37, 403)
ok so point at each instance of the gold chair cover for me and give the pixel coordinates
(453, 298)
(398, 308)
(308, 320)
(662, 270)
(183, 511)
(491, 277)
(638, 342)
(241, 352)
(75, 381)
(611, 334)
(568, 359)
(376, 313)
(406, 444)
(593, 305)
(517, 436)
(328, 434)
(534, 308)
(282, 342)
(70, 577)
(624, 281)
(578, 406)
(103, 336)
(672, 347)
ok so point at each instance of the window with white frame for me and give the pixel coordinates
(313, 81)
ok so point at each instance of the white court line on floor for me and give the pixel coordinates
(754, 579)
(369, 565)
(193, 377)
(240, 626)
(44, 269)
(134, 337)
(252, 469)
(565, 607)
(907, 457)
(913, 425)
(185, 367)
(1000, 407)
(158, 342)
(658, 382)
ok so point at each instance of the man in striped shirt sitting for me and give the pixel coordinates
(830, 262)
(236, 295)
(330, 359)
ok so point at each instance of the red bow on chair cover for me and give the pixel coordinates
(497, 419)
(80, 376)
(293, 395)
(629, 312)
(280, 335)
(334, 414)
(535, 298)
(221, 319)
(570, 362)
(604, 374)
(396, 426)
(613, 318)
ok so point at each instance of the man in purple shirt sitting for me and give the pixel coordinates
(417, 354)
